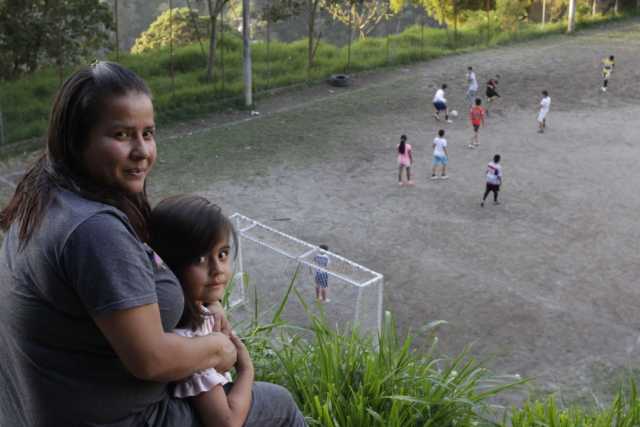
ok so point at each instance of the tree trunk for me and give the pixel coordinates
(571, 26)
(544, 12)
(311, 4)
(212, 41)
(222, 46)
(594, 7)
(616, 8)
(422, 36)
(171, 68)
(115, 23)
(246, 54)
(487, 5)
(268, 51)
(196, 29)
(346, 69)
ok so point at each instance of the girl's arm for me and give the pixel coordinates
(446, 153)
(217, 409)
(411, 156)
(149, 353)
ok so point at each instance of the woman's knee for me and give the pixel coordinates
(274, 402)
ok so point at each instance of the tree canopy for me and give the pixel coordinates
(159, 32)
(34, 33)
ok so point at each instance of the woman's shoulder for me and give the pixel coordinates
(70, 211)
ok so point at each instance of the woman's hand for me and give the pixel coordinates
(243, 363)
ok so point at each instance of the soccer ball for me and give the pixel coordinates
(454, 113)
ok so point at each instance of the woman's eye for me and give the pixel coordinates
(121, 135)
(148, 134)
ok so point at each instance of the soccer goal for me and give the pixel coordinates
(269, 260)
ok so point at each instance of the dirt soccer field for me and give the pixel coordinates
(548, 283)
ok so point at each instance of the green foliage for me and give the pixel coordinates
(511, 12)
(624, 411)
(176, 24)
(344, 378)
(34, 33)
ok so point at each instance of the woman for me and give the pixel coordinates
(83, 306)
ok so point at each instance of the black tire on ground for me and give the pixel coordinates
(339, 80)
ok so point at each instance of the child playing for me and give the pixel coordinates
(473, 86)
(440, 104)
(476, 115)
(440, 156)
(491, 92)
(405, 158)
(192, 236)
(545, 104)
(494, 179)
(607, 68)
(322, 277)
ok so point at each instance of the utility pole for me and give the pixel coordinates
(246, 54)
(572, 16)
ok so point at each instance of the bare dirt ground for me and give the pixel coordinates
(546, 283)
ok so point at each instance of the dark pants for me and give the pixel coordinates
(491, 188)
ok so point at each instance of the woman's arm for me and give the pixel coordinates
(217, 409)
(149, 353)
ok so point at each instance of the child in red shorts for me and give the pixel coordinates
(476, 115)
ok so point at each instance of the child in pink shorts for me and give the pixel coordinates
(405, 158)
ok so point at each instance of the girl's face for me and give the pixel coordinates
(204, 281)
(122, 146)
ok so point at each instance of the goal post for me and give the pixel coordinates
(269, 259)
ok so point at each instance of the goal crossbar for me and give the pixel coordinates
(251, 224)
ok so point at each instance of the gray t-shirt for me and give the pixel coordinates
(84, 260)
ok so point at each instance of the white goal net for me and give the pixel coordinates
(269, 260)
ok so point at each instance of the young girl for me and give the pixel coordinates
(405, 158)
(192, 236)
(545, 104)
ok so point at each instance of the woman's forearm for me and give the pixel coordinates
(179, 357)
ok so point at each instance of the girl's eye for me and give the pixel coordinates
(223, 254)
(202, 260)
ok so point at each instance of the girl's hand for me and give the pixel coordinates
(243, 363)
(220, 322)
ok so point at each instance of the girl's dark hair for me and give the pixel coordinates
(183, 229)
(441, 133)
(76, 110)
(545, 93)
(496, 158)
(401, 147)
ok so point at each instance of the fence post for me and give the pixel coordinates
(3, 137)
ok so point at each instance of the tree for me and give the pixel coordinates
(363, 15)
(272, 12)
(34, 33)
(511, 12)
(215, 8)
(172, 25)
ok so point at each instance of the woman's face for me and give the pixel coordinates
(205, 280)
(122, 146)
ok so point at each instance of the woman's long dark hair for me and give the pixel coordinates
(76, 110)
(401, 147)
(183, 229)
